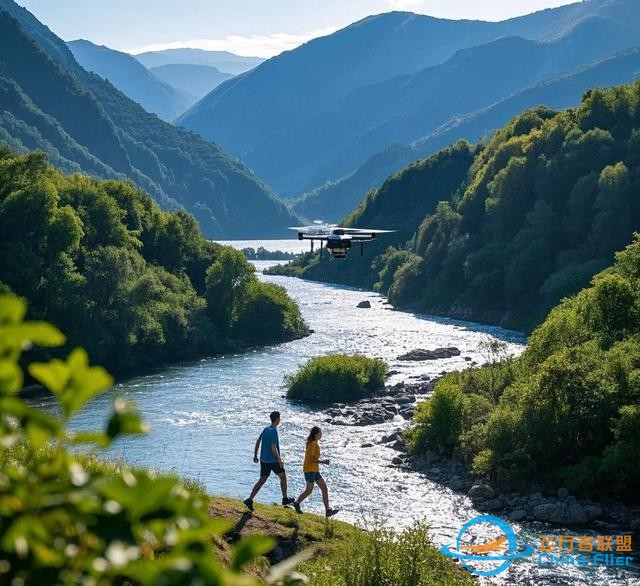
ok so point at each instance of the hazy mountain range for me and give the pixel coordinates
(316, 114)
(196, 81)
(167, 90)
(132, 78)
(221, 60)
(335, 200)
(48, 101)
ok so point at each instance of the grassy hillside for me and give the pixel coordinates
(178, 168)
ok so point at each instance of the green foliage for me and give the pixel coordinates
(567, 410)
(268, 314)
(226, 286)
(383, 557)
(337, 377)
(68, 519)
(129, 282)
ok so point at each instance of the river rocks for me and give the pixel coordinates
(518, 515)
(562, 493)
(391, 402)
(366, 304)
(436, 354)
(396, 461)
(398, 445)
(576, 515)
(404, 399)
(367, 445)
(549, 512)
(480, 492)
(390, 438)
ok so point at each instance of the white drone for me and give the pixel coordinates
(338, 239)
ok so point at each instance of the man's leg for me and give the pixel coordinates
(258, 485)
(283, 484)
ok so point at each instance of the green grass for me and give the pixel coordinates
(345, 555)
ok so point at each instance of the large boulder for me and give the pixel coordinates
(366, 304)
(518, 515)
(549, 512)
(480, 492)
(437, 354)
(576, 515)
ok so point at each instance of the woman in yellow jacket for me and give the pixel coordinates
(311, 469)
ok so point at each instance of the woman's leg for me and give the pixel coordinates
(306, 492)
(325, 492)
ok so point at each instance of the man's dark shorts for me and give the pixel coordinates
(267, 468)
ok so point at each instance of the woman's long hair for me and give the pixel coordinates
(315, 430)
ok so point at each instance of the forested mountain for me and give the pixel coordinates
(222, 60)
(195, 81)
(537, 211)
(334, 201)
(48, 101)
(132, 79)
(132, 284)
(335, 101)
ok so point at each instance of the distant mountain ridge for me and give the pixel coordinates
(316, 113)
(335, 200)
(131, 78)
(223, 60)
(196, 81)
(48, 101)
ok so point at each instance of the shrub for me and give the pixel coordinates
(268, 314)
(439, 420)
(337, 377)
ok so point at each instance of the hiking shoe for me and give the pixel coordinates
(296, 506)
(331, 512)
(249, 504)
(287, 501)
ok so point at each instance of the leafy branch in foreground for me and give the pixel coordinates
(65, 521)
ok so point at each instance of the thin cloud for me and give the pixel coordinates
(249, 46)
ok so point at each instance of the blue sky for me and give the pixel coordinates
(248, 27)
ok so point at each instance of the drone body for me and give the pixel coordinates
(338, 239)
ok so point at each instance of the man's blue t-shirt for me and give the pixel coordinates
(269, 437)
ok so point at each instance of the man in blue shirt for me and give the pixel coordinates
(270, 460)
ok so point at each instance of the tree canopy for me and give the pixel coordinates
(131, 283)
(567, 410)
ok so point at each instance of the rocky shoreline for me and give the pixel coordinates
(537, 504)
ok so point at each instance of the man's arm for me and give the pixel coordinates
(276, 453)
(255, 450)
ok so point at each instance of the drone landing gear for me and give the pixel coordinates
(361, 248)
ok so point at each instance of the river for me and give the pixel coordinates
(205, 417)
